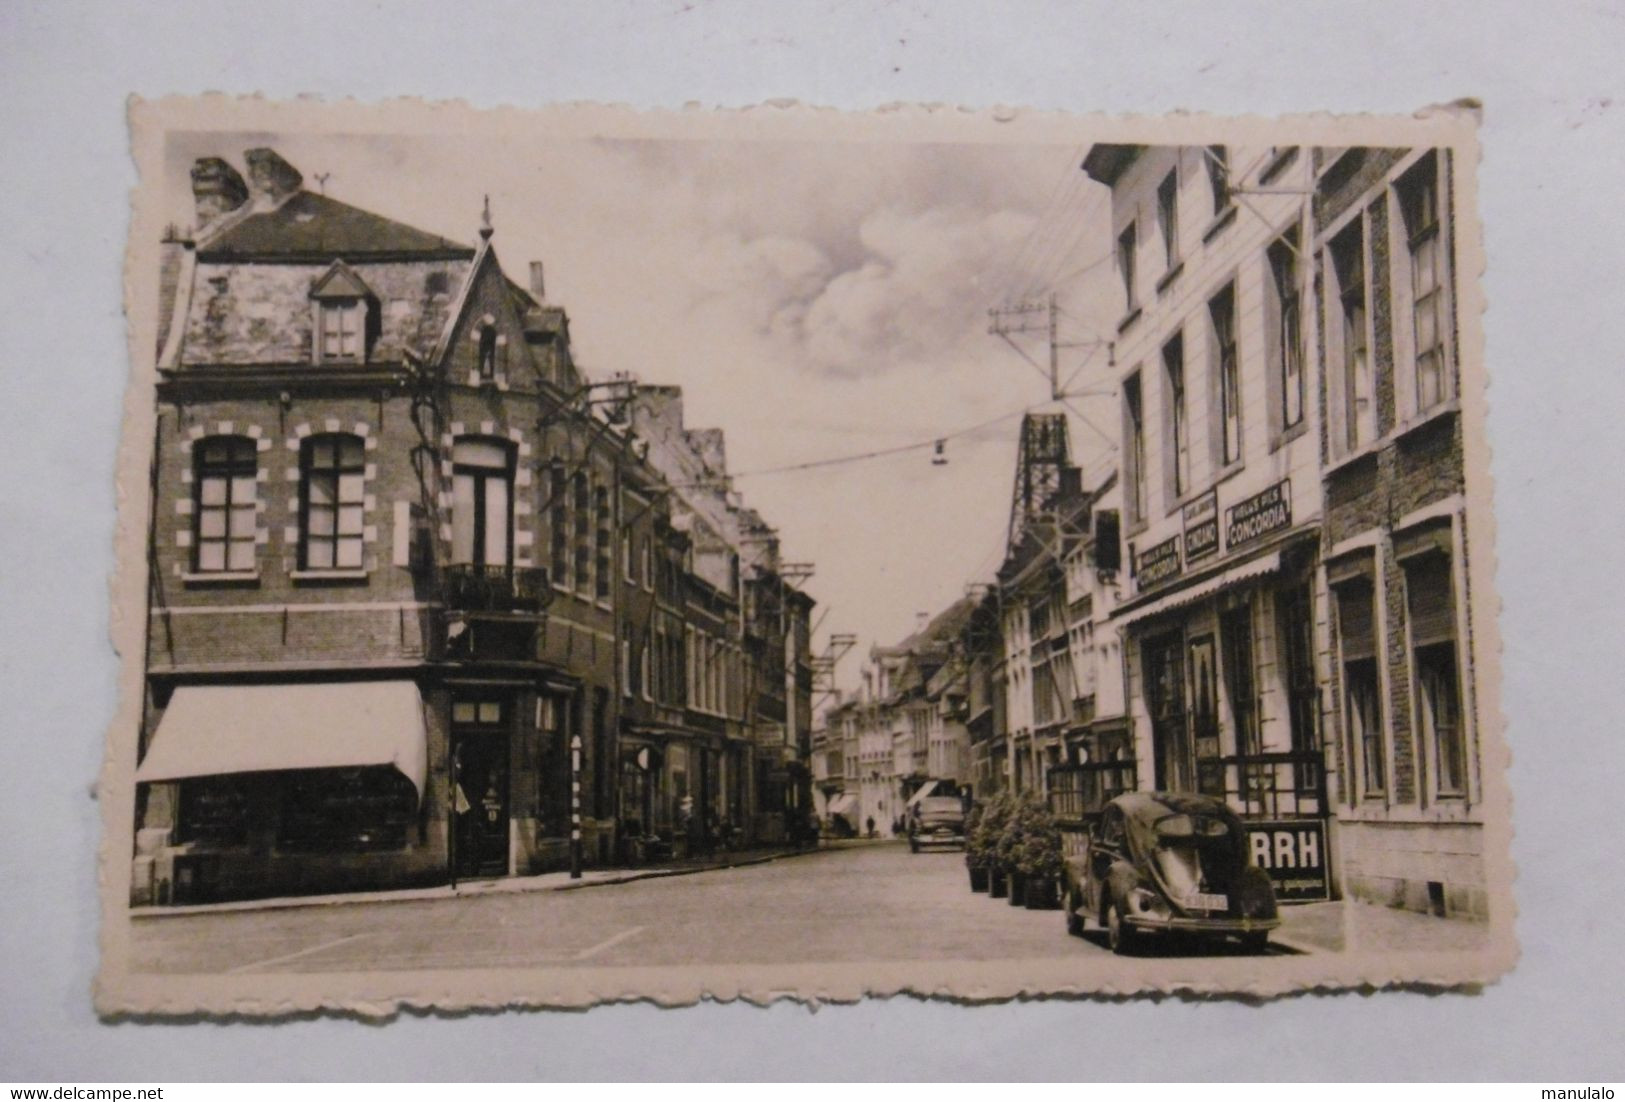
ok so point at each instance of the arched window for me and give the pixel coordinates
(224, 479)
(331, 510)
(488, 352)
(482, 502)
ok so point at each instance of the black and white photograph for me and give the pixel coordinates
(584, 555)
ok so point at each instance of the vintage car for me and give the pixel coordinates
(1159, 864)
(936, 821)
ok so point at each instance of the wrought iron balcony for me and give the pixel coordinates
(473, 587)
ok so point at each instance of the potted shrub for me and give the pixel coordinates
(989, 829)
(1013, 831)
(1039, 858)
(975, 852)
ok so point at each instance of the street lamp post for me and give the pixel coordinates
(575, 807)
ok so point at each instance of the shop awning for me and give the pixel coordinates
(1253, 568)
(209, 730)
(844, 804)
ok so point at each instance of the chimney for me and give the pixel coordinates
(270, 178)
(538, 287)
(217, 189)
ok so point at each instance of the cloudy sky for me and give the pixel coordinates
(814, 299)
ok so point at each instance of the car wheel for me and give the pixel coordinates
(1074, 920)
(1118, 934)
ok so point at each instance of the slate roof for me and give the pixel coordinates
(309, 227)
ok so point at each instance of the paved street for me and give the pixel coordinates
(866, 903)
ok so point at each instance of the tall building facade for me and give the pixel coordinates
(1396, 529)
(1223, 622)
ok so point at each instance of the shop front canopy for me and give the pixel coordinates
(211, 730)
(1259, 567)
(844, 804)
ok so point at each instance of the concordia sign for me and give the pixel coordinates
(1265, 512)
(1157, 564)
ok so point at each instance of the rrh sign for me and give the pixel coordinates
(1259, 515)
(1293, 852)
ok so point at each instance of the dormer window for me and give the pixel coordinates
(343, 315)
(341, 330)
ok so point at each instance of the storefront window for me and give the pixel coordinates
(1237, 626)
(1164, 672)
(553, 774)
(1205, 716)
(344, 810)
(213, 811)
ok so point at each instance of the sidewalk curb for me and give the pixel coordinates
(654, 874)
(513, 885)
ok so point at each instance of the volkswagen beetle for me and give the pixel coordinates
(1161, 864)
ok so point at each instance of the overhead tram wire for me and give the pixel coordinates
(1049, 234)
(877, 453)
(1082, 214)
(1032, 234)
(1044, 276)
(1012, 264)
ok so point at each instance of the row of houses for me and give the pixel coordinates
(426, 600)
(1265, 597)
(901, 735)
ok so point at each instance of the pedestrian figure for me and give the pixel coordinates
(871, 825)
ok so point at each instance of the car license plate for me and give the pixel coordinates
(1204, 902)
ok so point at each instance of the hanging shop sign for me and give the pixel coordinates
(1293, 853)
(1202, 527)
(1257, 516)
(1156, 565)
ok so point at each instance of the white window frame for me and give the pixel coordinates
(1407, 382)
(344, 308)
(1338, 380)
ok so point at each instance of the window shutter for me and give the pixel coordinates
(1353, 580)
(1431, 600)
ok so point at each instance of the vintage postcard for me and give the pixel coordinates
(583, 555)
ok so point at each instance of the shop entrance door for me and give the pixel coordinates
(480, 749)
(1164, 669)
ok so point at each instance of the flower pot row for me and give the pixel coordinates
(1013, 851)
(1019, 889)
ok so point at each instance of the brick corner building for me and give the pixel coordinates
(405, 563)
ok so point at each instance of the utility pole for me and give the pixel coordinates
(1044, 317)
(1054, 354)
